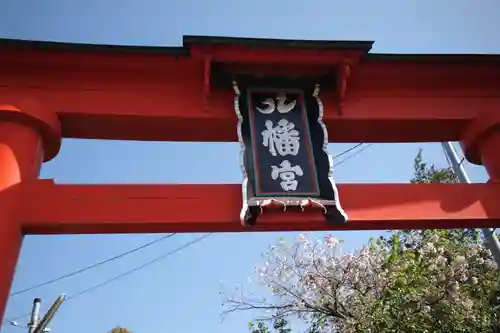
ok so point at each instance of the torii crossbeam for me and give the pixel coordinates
(53, 90)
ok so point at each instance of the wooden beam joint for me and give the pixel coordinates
(343, 75)
(207, 73)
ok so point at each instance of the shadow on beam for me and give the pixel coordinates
(93, 209)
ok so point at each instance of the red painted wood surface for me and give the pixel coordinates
(131, 96)
(20, 160)
(70, 209)
(52, 91)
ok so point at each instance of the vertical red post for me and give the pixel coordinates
(27, 137)
(481, 143)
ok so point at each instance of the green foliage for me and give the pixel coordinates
(418, 281)
(442, 286)
(425, 173)
(119, 330)
(280, 325)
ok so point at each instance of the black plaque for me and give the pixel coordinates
(284, 149)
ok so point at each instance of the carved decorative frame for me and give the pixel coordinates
(252, 207)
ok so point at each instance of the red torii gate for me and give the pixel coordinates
(53, 90)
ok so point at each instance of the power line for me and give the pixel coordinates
(79, 271)
(146, 245)
(126, 273)
(347, 150)
(353, 155)
(91, 266)
(138, 268)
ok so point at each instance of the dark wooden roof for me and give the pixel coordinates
(425, 57)
(280, 43)
(61, 46)
(188, 41)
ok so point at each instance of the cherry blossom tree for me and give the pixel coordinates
(411, 281)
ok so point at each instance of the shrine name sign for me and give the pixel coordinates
(284, 154)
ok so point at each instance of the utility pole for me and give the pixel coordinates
(35, 315)
(489, 234)
(37, 325)
(44, 322)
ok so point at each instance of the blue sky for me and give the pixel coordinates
(180, 294)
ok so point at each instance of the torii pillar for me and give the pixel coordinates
(481, 143)
(29, 134)
(54, 90)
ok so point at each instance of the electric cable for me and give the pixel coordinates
(124, 274)
(348, 150)
(81, 270)
(138, 268)
(359, 151)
